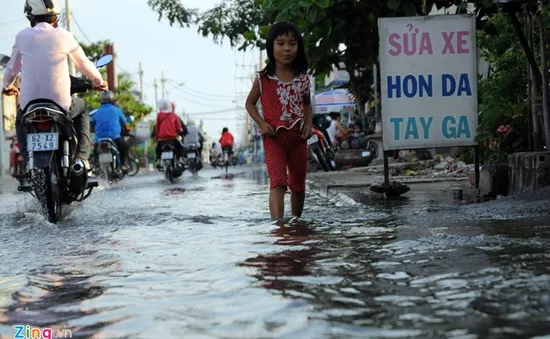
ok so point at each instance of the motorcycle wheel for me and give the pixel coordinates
(134, 167)
(49, 189)
(169, 173)
(330, 159)
(104, 171)
(322, 159)
(19, 166)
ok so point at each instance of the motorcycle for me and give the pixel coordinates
(17, 163)
(216, 160)
(109, 161)
(169, 164)
(56, 179)
(133, 167)
(322, 150)
(193, 159)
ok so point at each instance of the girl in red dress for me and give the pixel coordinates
(283, 89)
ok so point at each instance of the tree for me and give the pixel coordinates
(505, 116)
(126, 95)
(327, 25)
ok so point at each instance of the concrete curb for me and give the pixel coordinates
(322, 187)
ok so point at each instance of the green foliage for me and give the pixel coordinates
(326, 25)
(174, 11)
(503, 96)
(95, 50)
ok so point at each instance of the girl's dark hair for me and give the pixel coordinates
(300, 64)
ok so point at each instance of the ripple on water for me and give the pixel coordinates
(199, 258)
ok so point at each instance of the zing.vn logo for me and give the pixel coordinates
(28, 332)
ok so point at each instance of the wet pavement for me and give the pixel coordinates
(200, 259)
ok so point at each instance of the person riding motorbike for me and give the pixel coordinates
(14, 154)
(227, 142)
(215, 152)
(167, 129)
(42, 52)
(194, 136)
(108, 122)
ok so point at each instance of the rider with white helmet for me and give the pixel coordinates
(167, 129)
(42, 52)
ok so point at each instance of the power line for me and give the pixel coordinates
(193, 101)
(80, 28)
(5, 23)
(216, 112)
(209, 95)
(90, 42)
(7, 37)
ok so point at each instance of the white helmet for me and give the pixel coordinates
(165, 105)
(42, 7)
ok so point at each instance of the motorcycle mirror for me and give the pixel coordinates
(104, 61)
(4, 59)
(131, 118)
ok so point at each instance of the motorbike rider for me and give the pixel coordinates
(167, 129)
(194, 136)
(227, 142)
(42, 52)
(336, 130)
(108, 122)
(14, 153)
(215, 152)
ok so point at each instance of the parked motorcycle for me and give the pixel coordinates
(321, 149)
(55, 178)
(17, 163)
(169, 164)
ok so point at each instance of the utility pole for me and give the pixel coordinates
(156, 94)
(69, 28)
(163, 83)
(111, 68)
(142, 93)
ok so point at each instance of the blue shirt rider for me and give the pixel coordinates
(108, 121)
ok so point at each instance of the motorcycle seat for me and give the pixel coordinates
(49, 109)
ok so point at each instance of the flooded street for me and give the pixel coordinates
(201, 259)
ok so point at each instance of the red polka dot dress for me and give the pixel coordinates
(283, 108)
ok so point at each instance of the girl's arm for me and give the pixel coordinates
(308, 115)
(340, 128)
(251, 101)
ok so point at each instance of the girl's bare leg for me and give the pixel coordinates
(277, 202)
(297, 200)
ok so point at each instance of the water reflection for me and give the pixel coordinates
(54, 299)
(286, 263)
(260, 177)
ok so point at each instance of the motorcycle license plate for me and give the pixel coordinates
(191, 156)
(167, 156)
(313, 139)
(366, 154)
(105, 158)
(41, 142)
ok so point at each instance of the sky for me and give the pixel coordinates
(213, 81)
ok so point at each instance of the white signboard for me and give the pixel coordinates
(428, 76)
(143, 130)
